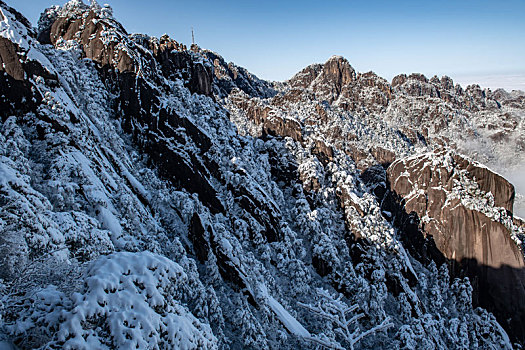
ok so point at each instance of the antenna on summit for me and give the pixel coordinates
(192, 37)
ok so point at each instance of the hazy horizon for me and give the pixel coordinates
(470, 41)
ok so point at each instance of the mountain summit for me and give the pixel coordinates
(155, 196)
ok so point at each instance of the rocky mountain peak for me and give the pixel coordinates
(230, 77)
(153, 196)
(338, 71)
(304, 78)
(326, 80)
(105, 41)
(101, 37)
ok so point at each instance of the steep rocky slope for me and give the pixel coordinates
(465, 210)
(157, 197)
(447, 208)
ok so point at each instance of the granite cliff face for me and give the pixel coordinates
(466, 211)
(448, 208)
(155, 196)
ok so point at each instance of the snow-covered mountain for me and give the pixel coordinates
(155, 196)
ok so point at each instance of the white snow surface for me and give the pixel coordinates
(99, 251)
(135, 296)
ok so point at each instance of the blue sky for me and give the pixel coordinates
(275, 39)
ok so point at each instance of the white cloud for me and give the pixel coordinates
(516, 176)
(508, 82)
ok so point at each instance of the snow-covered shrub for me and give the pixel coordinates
(341, 329)
(132, 300)
(32, 321)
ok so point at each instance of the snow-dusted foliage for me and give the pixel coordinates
(344, 318)
(133, 300)
(147, 203)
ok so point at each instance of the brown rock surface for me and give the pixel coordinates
(324, 152)
(475, 244)
(106, 42)
(89, 32)
(277, 126)
(264, 115)
(337, 70)
(399, 79)
(382, 155)
(9, 60)
(327, 80)
(304, 78)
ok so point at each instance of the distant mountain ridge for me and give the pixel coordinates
(155, 196)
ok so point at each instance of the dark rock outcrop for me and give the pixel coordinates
(9, 60)
(138, 104)
(323, 151)
(383, 156)
(178, 63)
(259, 207)
(17, 93)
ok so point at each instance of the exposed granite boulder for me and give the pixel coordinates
(338, 71)
(9, 60)
(92, 33)
(323, 151)
(164, 45)
(465, 210)
(275, 125)
(383, 156)
(399, 80)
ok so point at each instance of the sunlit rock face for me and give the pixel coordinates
(466, 210)
(155, 196)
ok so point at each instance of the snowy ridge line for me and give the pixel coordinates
(170, 272)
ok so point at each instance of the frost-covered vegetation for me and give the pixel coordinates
(99, 250)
